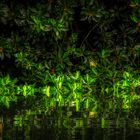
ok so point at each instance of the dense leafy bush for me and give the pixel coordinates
(43, 42)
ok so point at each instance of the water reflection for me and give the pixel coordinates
(74, 134)
(69, 128)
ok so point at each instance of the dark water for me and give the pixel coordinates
(72, 134)
(67, 128)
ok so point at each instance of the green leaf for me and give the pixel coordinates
(126, 75)
(135, 19)
(77, 105)
(24, 90)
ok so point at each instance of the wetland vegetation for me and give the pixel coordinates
(70, 58)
